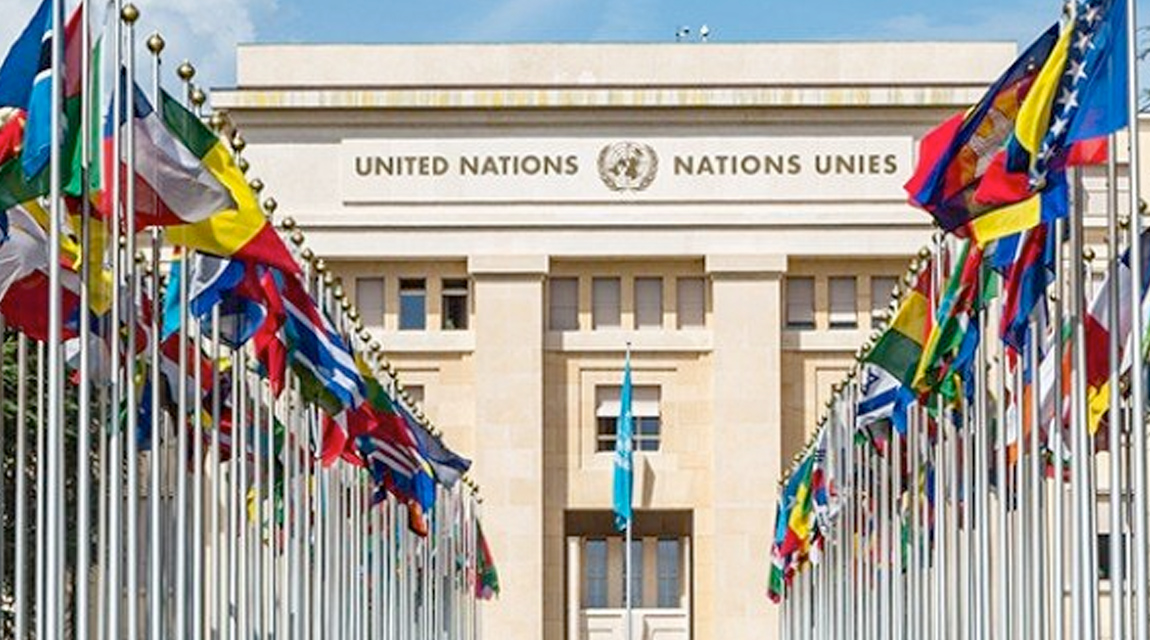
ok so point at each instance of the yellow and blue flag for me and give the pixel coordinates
(1082, 90)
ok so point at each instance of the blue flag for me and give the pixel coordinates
(23, 61)
(1091, 96)
(624, 428)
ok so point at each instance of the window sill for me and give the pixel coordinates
(823, 340)
(615, 340)
(409, 341)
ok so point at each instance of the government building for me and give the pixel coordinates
(510, 219)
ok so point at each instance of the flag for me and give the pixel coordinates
(216, 282)
(878, 396)
(173, 184)
(1049, 204)
(899, 349)
(1081, 91)
(954, 157)
(268, 340)
(18, 72)
(487, 584)
(448, 466)
(26, 83)
(1098, 327)
(776, 583)
(1025, 284)
(237, 232)
(952, 322)
(623, 448)
(317, 353)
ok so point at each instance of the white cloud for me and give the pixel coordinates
(203, 31)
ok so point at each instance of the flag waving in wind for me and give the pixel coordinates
(623, 447)
(1081, 91)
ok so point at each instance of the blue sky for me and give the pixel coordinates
(206, 31)
(652, 20)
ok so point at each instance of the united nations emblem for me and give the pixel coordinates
(628, 166)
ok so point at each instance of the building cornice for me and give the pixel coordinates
(604, 98)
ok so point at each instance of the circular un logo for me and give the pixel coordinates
(628, 166)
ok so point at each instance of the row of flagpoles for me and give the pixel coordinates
(199, 439)
(994, 427)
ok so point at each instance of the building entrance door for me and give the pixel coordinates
(660, 584)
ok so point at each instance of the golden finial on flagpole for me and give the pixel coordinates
(155, 43)
(198, 97)
(297, 238)
(270, 205)
(238, 142)
(186, 71)
(307, 255)
(243, 164)
(129, 14)
(288, 223)
(256, 184)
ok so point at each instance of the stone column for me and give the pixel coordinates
(732, 538)
(509, 435)
(574, 582)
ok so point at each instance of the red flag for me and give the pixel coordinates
(270, 349)
(930, 149)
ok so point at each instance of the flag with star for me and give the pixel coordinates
(1082, 90)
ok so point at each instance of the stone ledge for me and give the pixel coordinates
(726, 264)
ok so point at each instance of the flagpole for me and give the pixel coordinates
(1084, 605)
(53, 604)
(21, 577)
(1037, 559)
(630, 516)
(156, 453)
(131, 267)
(1137, 375)
(83, 459)
(1115, 427)
(982, 446)
(1058, 442)
(215, 566)
(115, 444)
(1003, 577)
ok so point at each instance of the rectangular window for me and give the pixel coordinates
(646, 423)
(605, 303)
(669, 567)
(595, 574)
(636, 574)
(369, 300)
(413, 304)
(800, 302)
(880, 290)
(564, 311)
(690, 302)
(415, 392)
(843, 303)
(648, 303)
(1104, 555)
(455, 309)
